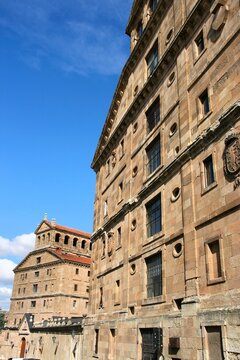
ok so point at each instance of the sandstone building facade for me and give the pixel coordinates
(50, 295)
(166, 254)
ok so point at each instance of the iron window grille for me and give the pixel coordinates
(154, 216)
(153, 115)
(152, 343)
(154, 275)
(153, 156)
(152, 60)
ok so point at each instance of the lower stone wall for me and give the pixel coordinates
(121, 338)
(41, 345)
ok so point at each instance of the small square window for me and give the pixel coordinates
(38, 260)
(204, 103)
(199, 43)
(35, 288)
(36, 273)
(209, 177)
(33, 303)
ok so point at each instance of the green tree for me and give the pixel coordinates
(2, 322)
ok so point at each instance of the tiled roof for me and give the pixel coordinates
(71, 257)
(68, 229)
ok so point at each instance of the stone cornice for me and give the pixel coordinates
(199, 12)
(208, 136)
(54, 295)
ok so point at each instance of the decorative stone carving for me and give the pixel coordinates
(231, 158)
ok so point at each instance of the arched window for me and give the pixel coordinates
(83, 244)
(75, 241)
(43, 237)
(90, 246)
(66, 238)
(57, 237)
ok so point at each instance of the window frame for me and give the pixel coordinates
(152, 59)
(207, 187)
(154, 289)
(153, 156)
(149, 223)
(153, 115)
(210, 279)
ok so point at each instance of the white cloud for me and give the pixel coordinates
(18, 246)
(6, 271)
(5, 294)
(6, 279)
(78, 36)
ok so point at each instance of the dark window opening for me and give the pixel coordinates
(153, 155)
(153, 115)
(153, 5)
(83, 244)
(57, 237)
(200, 43)
(152, 343)
(75, 240)
(204, 103)
(209, 177)
(96, 341)
(66, 238)
(139, 29)
(152, 60)
(154, 216)
(154, 275)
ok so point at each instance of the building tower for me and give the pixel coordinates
(165, 262)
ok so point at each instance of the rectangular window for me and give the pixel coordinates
(152, 343)
(74, 303)
(153, 155)
(46, 287)
(153, 5)
(44, 303)
(120, 191)
(112, 343)
(35, 288)
(153, 115)
(214, 342)
(213, 261)
(38, 260)
(154, 275)
(204, 103)
(119, 237)
(122, 148)
(75, 287)
(152, 60)
(108, 167)
(36, 273)
(33, 303)
(117, 292)
(77, 271)
(105, 209)
(154, 216)
(209, 177)
(96, 341)
(199, 43)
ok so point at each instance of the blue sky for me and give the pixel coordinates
(59, 65)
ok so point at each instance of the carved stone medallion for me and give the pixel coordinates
(231, 158)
